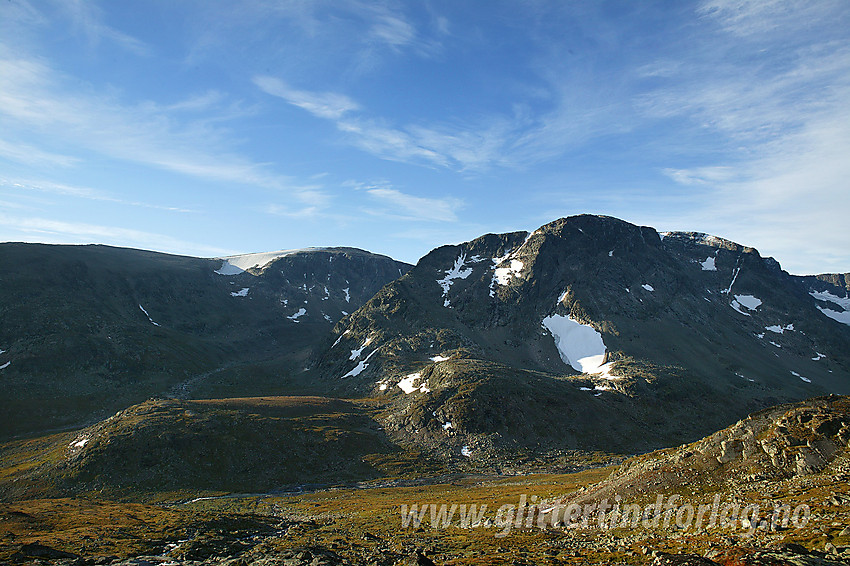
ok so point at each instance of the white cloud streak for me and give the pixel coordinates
(87, 19)
(782, 185)
(79, 192)
(33, 98)
(416, 208)
(351, 36)
(324, 105)
(57, 231)
(754, 18)
(31, 155)
(446, 146)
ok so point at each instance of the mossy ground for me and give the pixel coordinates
(361, 520)
(362, 523)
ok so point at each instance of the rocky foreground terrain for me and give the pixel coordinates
(783, 457)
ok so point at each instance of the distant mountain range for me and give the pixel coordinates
(586, 339)
(88, 330)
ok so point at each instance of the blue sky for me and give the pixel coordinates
(217, 127)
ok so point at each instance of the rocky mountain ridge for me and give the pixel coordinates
(88, 330)
(493, 339)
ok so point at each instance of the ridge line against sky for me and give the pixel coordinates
(212, 128)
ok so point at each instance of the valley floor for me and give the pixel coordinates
(367, 526)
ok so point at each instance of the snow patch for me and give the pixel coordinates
(737, 307)
(840, 316)
(241, 293)
(826, 296)
(775, 344)
(734, 278)
(7, 364)
(347, 294)
(80, 443)
(708, 264)
(438, 359)
(447, 426)
(648, 287)
(356, 353)
(228, 268)
(408, 384)
(458, 271)
(748, 302)
(236, 264)
(806, 379)
(301, 312)
(611, 253)
(605, 371)
(818, 356)
(466, 451)
(742, 376)
(149, 316)
(579, 345)
(358, 369)
(503, 275)
(778, 329)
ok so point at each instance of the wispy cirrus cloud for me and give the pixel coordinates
(350, 37)
(443, 145)
(393, 30)
(87, 19)
(63, 232)
(35, 98)
(416, 207)
(322, 104)
(87, 193)
(790, 200)
(780, 182)
(298, 213)
(31, 155)
(749, 18)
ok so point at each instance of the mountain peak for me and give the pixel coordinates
(590, 309)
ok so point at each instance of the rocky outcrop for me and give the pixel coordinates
(788, 441)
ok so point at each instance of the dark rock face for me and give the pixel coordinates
(87, 330)
(689, 321)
